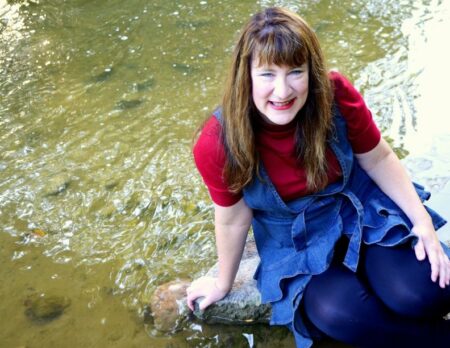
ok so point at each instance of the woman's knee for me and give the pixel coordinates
(328, 318)
(423, 301)
(404, 284)
(326, 301)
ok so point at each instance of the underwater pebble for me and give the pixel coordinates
(42, 308)
(103, 76)
(128, 104)
(57, 184)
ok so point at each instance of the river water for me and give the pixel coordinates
(100, 201)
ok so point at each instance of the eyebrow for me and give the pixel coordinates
(303, 66)
(263, 68)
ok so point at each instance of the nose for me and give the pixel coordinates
(282, 89)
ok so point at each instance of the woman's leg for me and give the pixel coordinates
(342, 305)
(403, 283)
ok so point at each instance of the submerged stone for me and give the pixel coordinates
(42, 308)
(168, 304)
(57, 184)
(144, 86)
(34, 138)
(103, 76)
(128, 104)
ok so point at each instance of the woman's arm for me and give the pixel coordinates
(386, 170)
(231, 225)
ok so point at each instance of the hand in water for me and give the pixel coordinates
(204, 287)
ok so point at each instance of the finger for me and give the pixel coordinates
(435, 268)
(419, 249)
(448, 271)
(442, 272)
(205, 303)
(190, 302)
(445, 270)
(193, 295)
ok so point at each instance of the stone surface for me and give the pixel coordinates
(168, 304)
(243, 304)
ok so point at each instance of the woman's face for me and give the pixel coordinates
(279, 92)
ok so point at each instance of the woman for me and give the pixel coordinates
(340, 229)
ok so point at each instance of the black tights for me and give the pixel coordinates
(390, 301)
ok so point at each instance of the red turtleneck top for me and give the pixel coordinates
(276, 147)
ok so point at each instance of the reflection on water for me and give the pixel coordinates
(99, 198)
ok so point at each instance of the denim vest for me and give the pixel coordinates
(296, 239)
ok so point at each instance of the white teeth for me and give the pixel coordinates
(281, 104)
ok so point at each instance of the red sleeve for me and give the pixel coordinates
(209, 156)
(363, 133)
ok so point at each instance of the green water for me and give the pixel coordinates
(100, 201)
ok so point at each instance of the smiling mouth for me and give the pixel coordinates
(282, 105)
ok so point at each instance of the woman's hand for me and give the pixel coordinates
(231, 227)
(205, 287)
(429, 245)
(383, 166)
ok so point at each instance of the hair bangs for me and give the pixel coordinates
(276, 45)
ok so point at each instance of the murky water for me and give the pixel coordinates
(99, 198)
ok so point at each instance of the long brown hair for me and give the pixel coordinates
(276, 36)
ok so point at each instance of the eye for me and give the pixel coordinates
(266, 74)
(296, 71)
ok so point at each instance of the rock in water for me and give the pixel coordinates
(128, 104)
(57, 184)
(103, 76)
(144, 86)
(168, 304)
(42, 308)
(243, 304)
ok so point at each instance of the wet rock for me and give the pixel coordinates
(33, 138)
(57, 184)
(168, 304)
(128, 104)
(111, 184)
(42, 308)
(243, 304)
(144, 86)
(103, 76)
